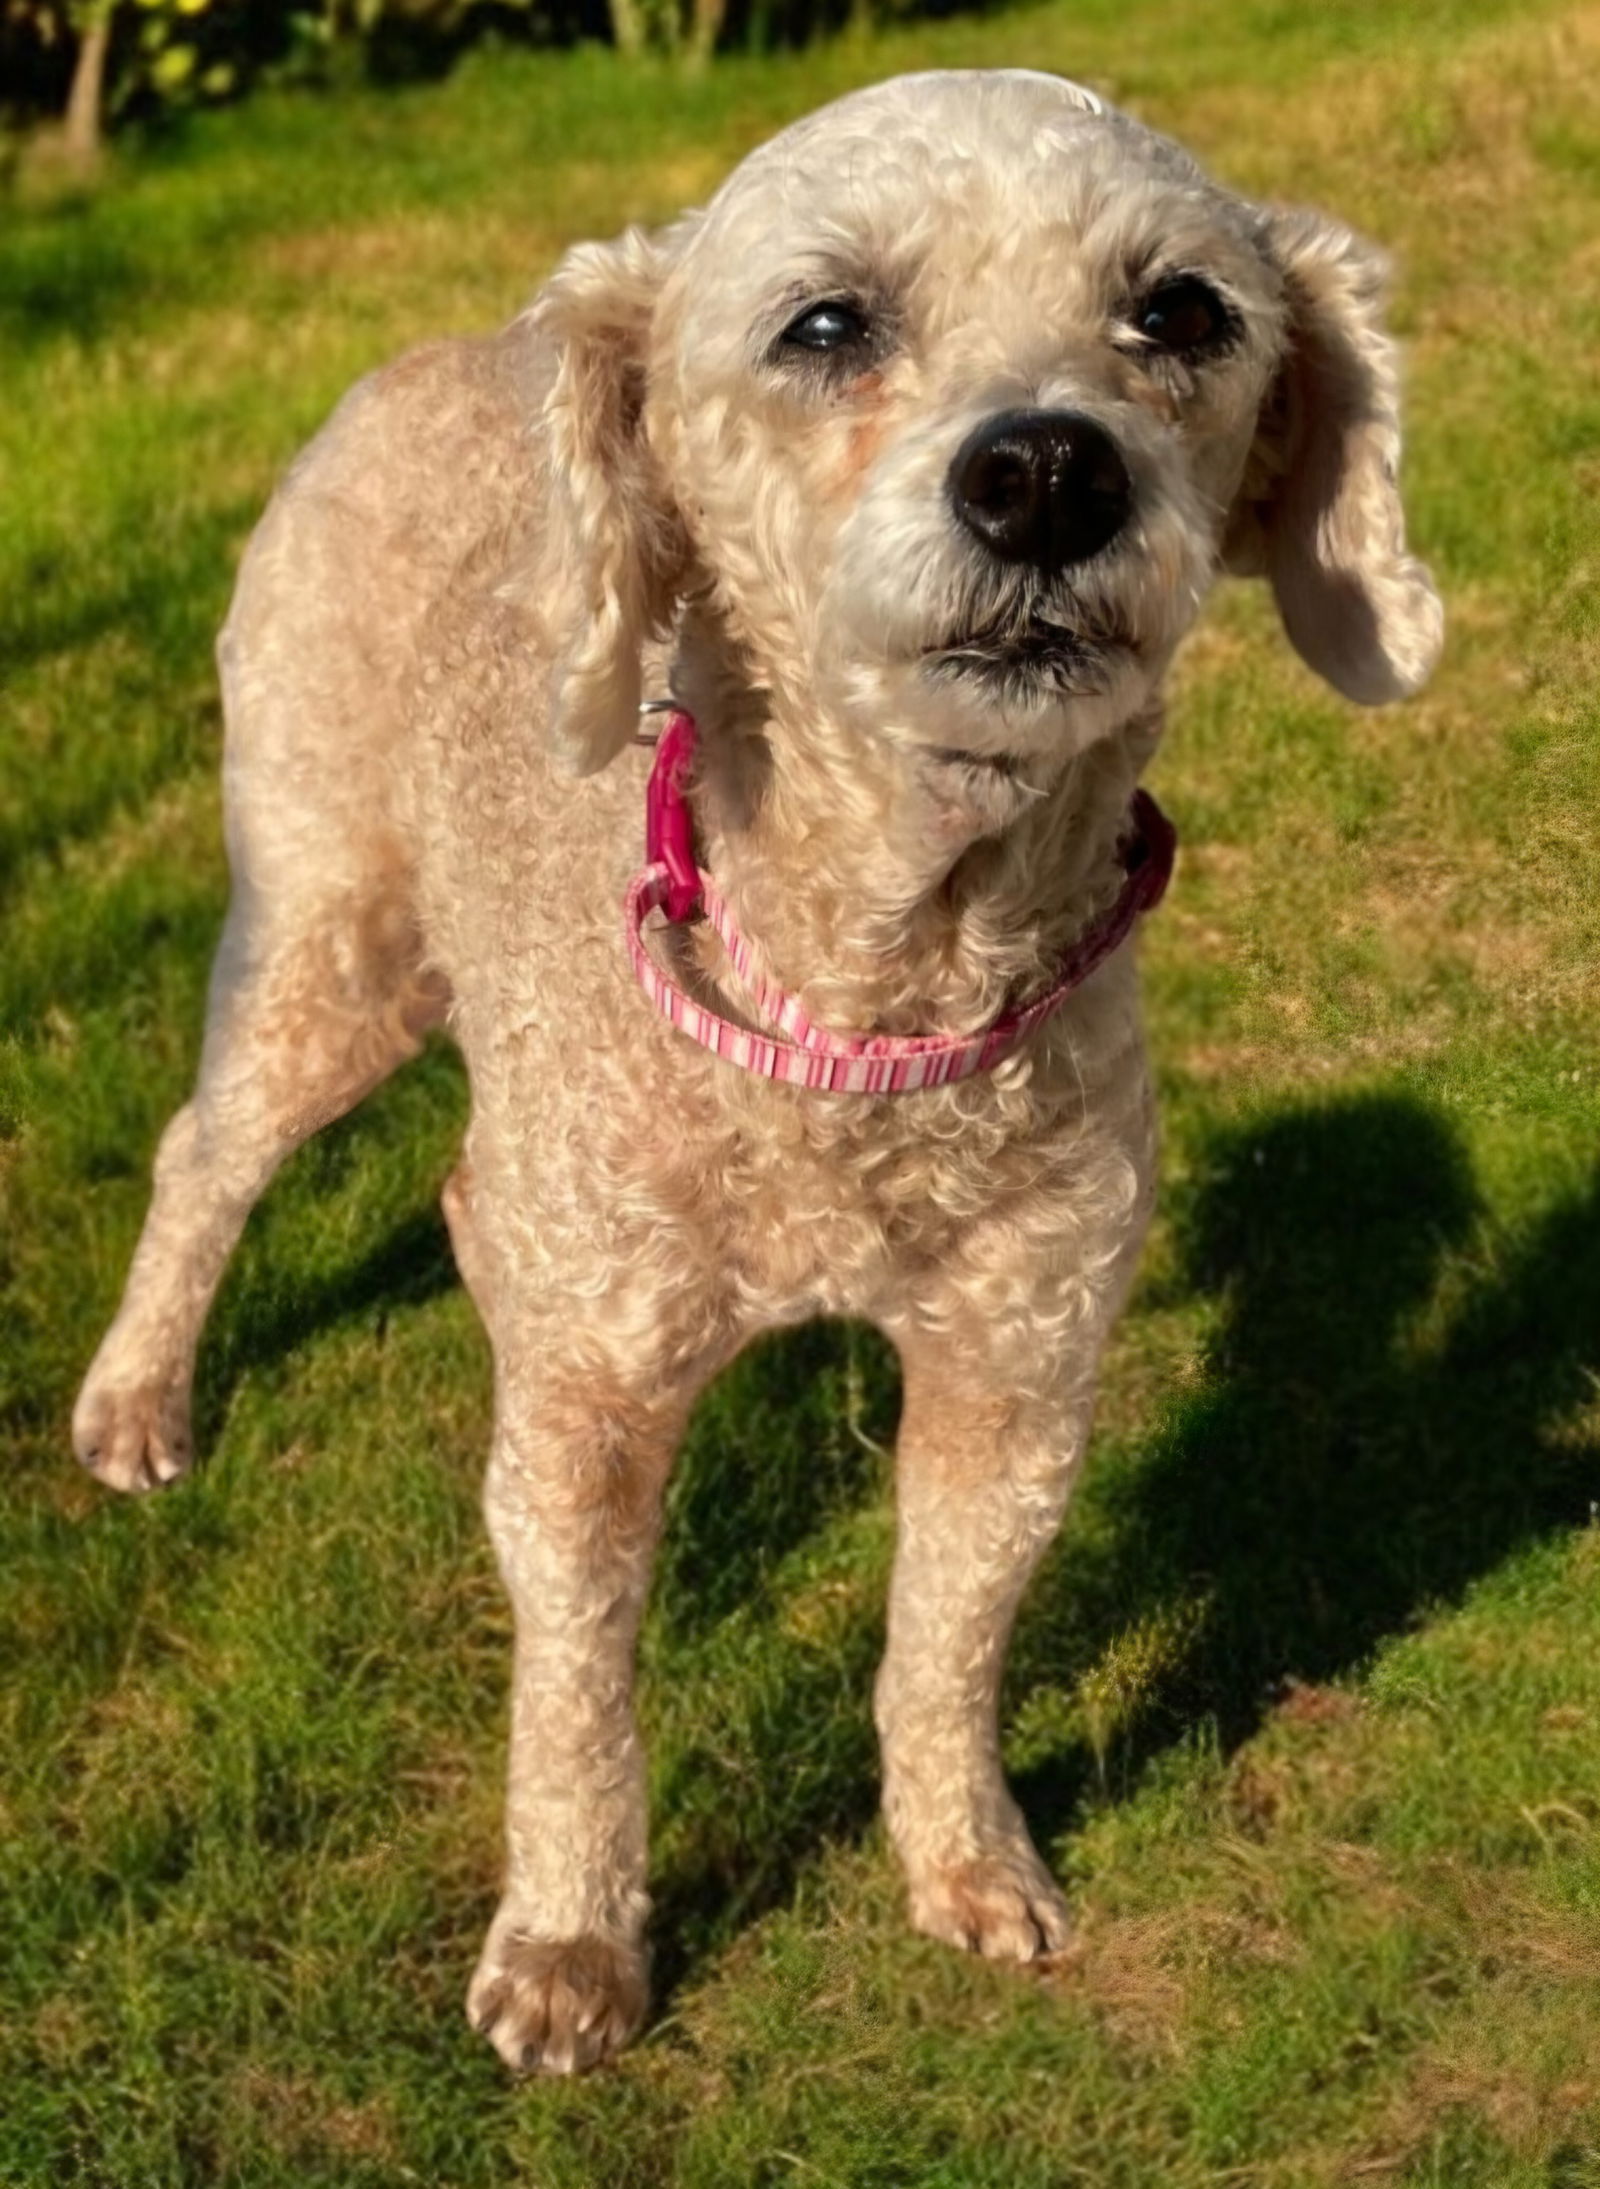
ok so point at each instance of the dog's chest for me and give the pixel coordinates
(854, 1208)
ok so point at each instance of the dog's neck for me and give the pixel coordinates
(890, 893)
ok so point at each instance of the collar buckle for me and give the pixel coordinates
(668, 823)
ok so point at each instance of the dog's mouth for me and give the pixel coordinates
(1026, 657)
(1001, 767)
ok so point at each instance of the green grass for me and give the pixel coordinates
(1306, 1704)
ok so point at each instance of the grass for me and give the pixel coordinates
(1306, 1705)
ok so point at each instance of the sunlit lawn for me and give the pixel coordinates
(1306, 1706)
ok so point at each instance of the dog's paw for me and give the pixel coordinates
(133, 1436)
(1004, 1906)
(556, 2005)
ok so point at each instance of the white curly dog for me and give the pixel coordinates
(904, 465)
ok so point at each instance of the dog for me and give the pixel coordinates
(902, 467)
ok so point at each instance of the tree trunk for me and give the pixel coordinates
(627, 26)
(706, 29)
(86, 98)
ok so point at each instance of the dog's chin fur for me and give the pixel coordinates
(913, 807)
(1036, 668)
(993, 704)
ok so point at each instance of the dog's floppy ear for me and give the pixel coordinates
(1319, 510)
(608, 564)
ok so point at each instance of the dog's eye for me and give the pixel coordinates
(825, 328)
(1183, 317)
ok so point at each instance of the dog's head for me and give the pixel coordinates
(952, 403)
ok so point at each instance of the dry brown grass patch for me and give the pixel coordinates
(1520, 2060)
(296, 2117)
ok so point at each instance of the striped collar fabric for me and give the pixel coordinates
(799, 1052)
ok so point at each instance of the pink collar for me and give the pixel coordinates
(808, 1056)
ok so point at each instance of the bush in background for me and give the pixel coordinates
(90, 65)
(83, 67)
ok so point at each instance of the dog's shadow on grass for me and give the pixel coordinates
(1361, 1448)
(1358, 1450)
(265, 1320)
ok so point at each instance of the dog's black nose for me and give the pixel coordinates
(1045, 487)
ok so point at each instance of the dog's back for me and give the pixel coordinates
(419, 479)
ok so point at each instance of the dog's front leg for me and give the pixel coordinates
(573, 1502)
(982, 1480)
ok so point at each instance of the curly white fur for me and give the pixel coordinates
(437, 637)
